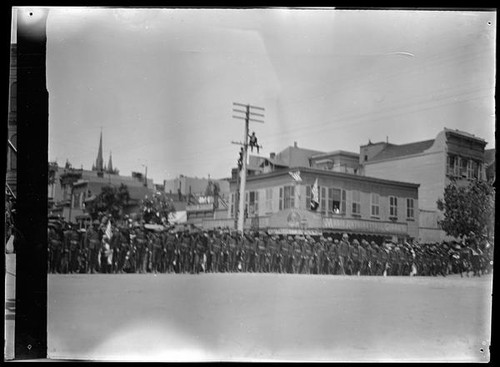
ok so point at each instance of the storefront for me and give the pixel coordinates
(364, 207)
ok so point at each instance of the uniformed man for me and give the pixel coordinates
(93, 243)
(106, 256)
(141, 248)
(363, 257)
(115, 249)
(73, 242)
(383, 256)
(475, 251)
(156, 253)
(55, 246)
(344, 253)
(355, 258)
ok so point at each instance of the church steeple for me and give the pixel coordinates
(99, 163)
(110, 164)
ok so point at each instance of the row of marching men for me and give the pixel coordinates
(135, 249)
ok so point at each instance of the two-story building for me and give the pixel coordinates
(363, 206)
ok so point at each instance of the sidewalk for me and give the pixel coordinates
(10, 305)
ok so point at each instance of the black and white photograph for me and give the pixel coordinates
(250, 184)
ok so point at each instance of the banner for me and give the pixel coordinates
(315, 196)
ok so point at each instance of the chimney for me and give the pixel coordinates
(295, 144)
(272, 155)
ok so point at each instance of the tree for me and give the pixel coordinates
(467, 208)
(155, 209)
(110, 202)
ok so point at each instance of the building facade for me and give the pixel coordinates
(433, 164)
(348, 203)
(72, 188)
(69, 189)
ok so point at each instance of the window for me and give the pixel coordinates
(393, 206)
(410, 208)
(356, 202)
(287, 197)
(452, 165)
(269, 200)
(253, 203)
(464, 163)
(375, 205)
(322, 199)
(336, 200)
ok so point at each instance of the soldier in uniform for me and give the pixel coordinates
(363, 257)
(394, 259)
(170, 252)
(156, 252)
(326, 260)
(404, 259)
(333, 254)
(106, 256)
(122, 239)
(476, 253)
(55, 246)
(216, 254)
(93, 244)
(115, 249)
(355, 258)
(291, 256)
(225, 254)
(252, 255)
(65, 253)
(264, 254)
(280, 254)
(141, 249)
(383, 256)
(72, 243)
(344, 253)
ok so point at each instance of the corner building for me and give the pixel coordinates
(364, 207)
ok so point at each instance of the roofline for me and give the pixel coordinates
(424, 152)
(335, 152)
(465, 135)
(378, 143)
(284, 172)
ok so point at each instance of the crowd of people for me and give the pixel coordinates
(134, 248)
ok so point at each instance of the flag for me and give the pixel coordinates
(315, 196)
(108, 230)
(296, 176)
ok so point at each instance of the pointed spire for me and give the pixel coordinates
(110, 164)
(99, 161)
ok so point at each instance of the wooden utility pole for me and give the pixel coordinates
(246, 115)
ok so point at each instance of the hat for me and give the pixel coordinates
(345, 235)
(355, 242)
(329, 239)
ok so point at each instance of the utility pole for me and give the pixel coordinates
(248, 116)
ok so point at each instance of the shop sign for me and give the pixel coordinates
(353, 225)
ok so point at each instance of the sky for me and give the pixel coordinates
(160, 83)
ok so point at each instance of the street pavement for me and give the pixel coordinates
(268, 317)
